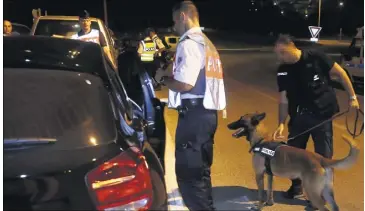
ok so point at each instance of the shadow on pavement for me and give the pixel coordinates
(242, 198)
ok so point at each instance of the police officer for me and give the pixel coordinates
(307, 97)
(197, 70)
(89, 34)
(160, 47)
(147, 51)
(8, 29)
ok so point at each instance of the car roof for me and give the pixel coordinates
(58, 53)
(61, 17)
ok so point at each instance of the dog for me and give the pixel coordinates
(285, 161)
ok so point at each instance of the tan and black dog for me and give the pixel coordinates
(281, 160)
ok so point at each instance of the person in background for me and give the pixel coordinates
(8, 29)
(160, 47)
(147, 51)
(88, 34)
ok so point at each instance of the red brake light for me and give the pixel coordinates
(122, 183)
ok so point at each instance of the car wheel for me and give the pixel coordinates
(160, 198)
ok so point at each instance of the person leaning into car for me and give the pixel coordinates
(307, 97)
(89, 34)
(196, 91)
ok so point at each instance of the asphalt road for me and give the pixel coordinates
(250, 80)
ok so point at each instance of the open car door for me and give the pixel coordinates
(140, 90)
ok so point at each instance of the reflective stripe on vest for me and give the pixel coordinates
(93, 36)
(214, 96)
(149, 50)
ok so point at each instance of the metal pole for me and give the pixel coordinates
(319, 12)
(105, 13)
(319, 15)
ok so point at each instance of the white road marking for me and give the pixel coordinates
(244, 49)
(164, 100)
(175, 201)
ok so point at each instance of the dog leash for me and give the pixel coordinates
(353, 134)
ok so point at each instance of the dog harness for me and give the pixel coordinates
(267, 150)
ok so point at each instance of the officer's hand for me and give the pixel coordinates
(278, 134)
(159, 74)
(354, 104)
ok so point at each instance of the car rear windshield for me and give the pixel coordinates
(70, 107)
(65, 28)
(53, 53)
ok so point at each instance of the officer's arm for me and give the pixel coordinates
(335, 69)
(338, 71)
(283, 107)
(282, 82)
(160, 45)
(189, 60)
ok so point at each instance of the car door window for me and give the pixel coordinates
(120, 93)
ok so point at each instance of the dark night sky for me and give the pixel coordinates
(222, 14)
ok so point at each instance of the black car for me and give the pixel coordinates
(73, 139)
(21, 29)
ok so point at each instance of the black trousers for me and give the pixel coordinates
(322, 136)
(151, 68)
(194, 157)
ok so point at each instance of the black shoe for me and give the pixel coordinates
(293, 192)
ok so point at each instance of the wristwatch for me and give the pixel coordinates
(353, 97)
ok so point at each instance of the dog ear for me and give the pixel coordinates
(261, 116)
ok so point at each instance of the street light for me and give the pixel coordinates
(282, 12)
(341, 4)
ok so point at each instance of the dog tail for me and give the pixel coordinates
(346, 162)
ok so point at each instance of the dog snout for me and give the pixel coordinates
(239, 133)
(235, 125)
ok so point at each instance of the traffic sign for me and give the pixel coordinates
(314, 30)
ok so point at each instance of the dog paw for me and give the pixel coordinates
(269, 203)
(258, 206)
(255, 208)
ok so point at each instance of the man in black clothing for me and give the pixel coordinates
(307, 97)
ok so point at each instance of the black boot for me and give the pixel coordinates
(295, 190)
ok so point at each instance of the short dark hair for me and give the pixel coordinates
(285, 39)
(149, 30)
(187, 7)
(84, 14)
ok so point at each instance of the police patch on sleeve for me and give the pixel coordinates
(179, 60)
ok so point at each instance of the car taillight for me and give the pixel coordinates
(122, 183)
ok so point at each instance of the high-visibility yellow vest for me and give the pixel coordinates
(149, 49)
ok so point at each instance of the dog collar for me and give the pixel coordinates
(259, 142)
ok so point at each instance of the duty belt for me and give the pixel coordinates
(188, 104)
(303, 110)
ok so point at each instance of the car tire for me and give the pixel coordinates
(160, 198)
